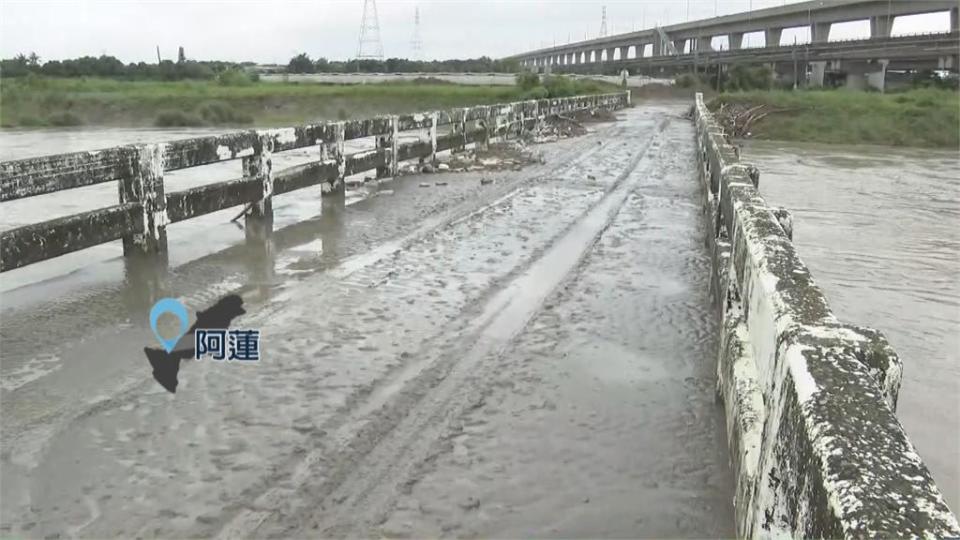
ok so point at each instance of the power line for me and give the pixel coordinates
(369, 46)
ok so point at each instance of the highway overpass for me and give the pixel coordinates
(680, 47)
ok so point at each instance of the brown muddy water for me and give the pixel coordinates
(880, 230)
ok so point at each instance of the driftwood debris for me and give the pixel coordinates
(738, 119)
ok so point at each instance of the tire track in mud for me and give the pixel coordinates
(100, 431)
(377, 448)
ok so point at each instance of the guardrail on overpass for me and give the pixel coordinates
(817, 15)
(816, 448)
(938, 50)
(144, 209)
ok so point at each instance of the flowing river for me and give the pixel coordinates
(880, 230)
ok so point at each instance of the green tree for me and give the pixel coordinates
(300, 63)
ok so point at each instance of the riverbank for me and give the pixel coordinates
(925, 118)
(37, 102)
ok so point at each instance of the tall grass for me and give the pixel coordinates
(34, 100)
(919, 118)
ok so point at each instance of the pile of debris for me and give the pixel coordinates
(738, 119)
(509, 155)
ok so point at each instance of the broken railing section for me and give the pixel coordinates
(145, 210)
(815, 445)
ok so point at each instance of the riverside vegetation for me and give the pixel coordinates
(234, 99)
(752, 105)
(924, 117)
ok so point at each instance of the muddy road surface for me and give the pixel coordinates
(528, 357)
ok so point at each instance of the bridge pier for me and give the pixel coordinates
(817, 74)
(880, 26)
(736, 40)
(771, 37)
(820, 32)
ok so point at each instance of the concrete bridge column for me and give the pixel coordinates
(658, 48)
(610, 52)
(598, 56)
(820, 32)
(880, 26)
(624, 50)
(819, 69)
(954, 19)
(772, 36)
(736, 40)
(679, 44)
(703, 44)
(878, 79)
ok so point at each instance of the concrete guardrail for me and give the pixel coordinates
(144, 209)
(815, 446)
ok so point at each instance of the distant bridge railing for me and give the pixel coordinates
(144, 209)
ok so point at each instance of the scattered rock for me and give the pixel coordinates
(485, 181)
(472, 503)
(441, 183)
(424, 184)
(443, 167)
(591, 177)
(428, 168)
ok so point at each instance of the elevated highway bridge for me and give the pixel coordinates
(681, 47)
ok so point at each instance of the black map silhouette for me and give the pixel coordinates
(166, 365)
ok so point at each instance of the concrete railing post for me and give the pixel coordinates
(433, 138)
(337, 187)
(260, 166)
(144, 185)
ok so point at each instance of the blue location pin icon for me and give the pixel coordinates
(174, 307)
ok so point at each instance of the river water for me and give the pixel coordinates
(880, 230)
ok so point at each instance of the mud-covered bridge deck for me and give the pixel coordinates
(531, 356)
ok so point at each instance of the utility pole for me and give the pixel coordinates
(158, 55)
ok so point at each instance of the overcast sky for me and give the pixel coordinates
(274, 31)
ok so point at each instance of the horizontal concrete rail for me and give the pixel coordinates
(145, 210)
(815, 445)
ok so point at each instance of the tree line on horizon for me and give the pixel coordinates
(167, 70)
(110, 66)
(302, 63)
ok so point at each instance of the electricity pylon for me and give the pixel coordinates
(369, 46)
(416, 44)
(603, 23)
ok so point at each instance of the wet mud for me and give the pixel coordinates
(527, 357)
